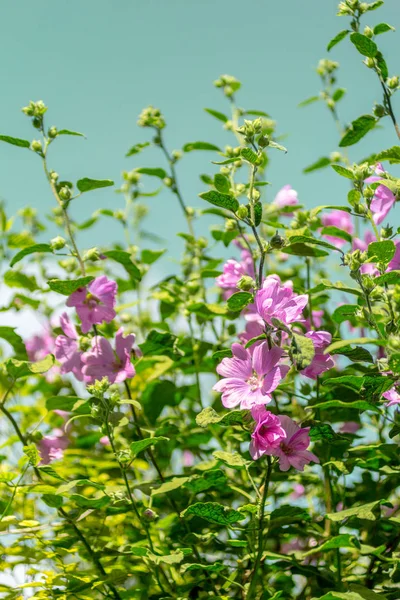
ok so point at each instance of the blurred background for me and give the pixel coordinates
(97, 63)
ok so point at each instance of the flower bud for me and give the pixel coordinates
(99, 388)
(168, 182)
(54, 176)
(393, 82)
(65, 193)
(240, 188)
(256, 195)
(52, 132)
(57, 243)
(379, 111)
(242, 212)
(230, 225)
(263, 141)
(224, 171)
(277, 241)
(202, 242)
(190, 212)
(92, 254)
(368, 192)
(84, 343)
(36, 145)
(37, 122)
(246, 283)
(176, 155)
(151, 117)
(150, 515)
(368, 32)
(368, 283)
(386, 232)
(369, 62)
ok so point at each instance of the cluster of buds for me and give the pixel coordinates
(353, 8)
(392, 82)
(151, 117)
(355, 260)
(229, 84)
(326, 67)
(35, 110)
(131, 177)
(250, 129)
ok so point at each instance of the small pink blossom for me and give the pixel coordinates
(278, 301)
(67, 350)
(102, 361)
(105, 440)
(234, 270)
(40, 345)
(350, 427)
(292, 451)
(95, 303)
(321, 362)
(392, 396)
(268, 432)
(298, 491)
(394, 264)
(51, 447)
(286, 196)
(359, 244)
(250, 378)
(341, 220)
(383, 199)
(188, 458)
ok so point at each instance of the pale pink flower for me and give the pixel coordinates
(234, 270)
(105, 440)
(359, 244)
(250, 378)
(268, 432)
(383, 199)
(188, 458)
(286, 196)
(321, 362)
(51, 447)
(394, 264)
(253, 329)
(40, 345)
(341, 220)
(278, 301)
(95, 303)
(67, 350)
(392, 396)
(102, 361)
(350, 427)
(317, 316)
(298, 491)
(292, 451)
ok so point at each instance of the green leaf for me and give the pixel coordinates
(368, 512)
(15, 141)
(390, 278)
(257, 113)
(174, 558)
(137, 148)
(152, 172)
(382, 66)
(382, 252)
(94, 503)
(258, 210)
(231, 459)
(366, 593)
(19, 368)
(208, 416)
(139, 446)
(69, 132)
(391, 154)
(16, 279)
(52, 500)
(287, 515)
(338, 94)
(148, 257)
(249, 155)
(345, 343)
(294, 239)
(30, 250)
(33, 455)
(364, 44)
(302, 350)
(222, 183)
(308, 101)
(345, 313)
(345, 540)
(239, 300)
(87, 185)
(357, 354)
(206, 481)
(67, 287)
(357, 130)
(321, 431)
(213, 513)
(304, 250)
(360, 405)
(222, 200)
(124, 259)
(9, 335)
(214, 567)
(218, 115)
(273, 144)
(321, 163)
(328, 285)
(338, 38)
(348, 173)
(169, 486)
(336, 232)
(200, 146)
(67, 403)
(382, 28)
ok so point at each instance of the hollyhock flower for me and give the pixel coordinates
(394, 264)
(362, 245)
(286, 196)
(67, 350)
(383, 199)
(95, 303)
(316, 319)
(292, 451)
(341, 220)
(250, 378)
(253, 329)
(234, 270)
(40, 345)
(278, 301)
(105, 440)
(268, 432)
(298, 491)
(51, 447)
(392, 396)
(321, 362)
(188, 458)
(102, 361)
(350, 427)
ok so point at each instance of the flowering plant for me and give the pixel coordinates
(229, 430)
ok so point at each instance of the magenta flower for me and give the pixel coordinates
(321, 362)
(286, 196)
(67, 350)
(95, 304)
(341, 220)
(234, 270)
(250, 378)
(102, 361)
(51, 447)
(292, 451)
(392, 396)
(383, 199)
(268, 432)
(253, 329)
(278, 301)
(317, 316)
(40, 345)
(394, 264)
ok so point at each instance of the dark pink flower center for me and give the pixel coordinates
(92, 301)
(288, 450)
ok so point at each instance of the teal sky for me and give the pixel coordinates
(97, 63)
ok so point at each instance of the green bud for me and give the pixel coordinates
(35, 109)
(52, 132)
(363, 7)
(176, 155)
(37, 122)
(224, 171)
(256, 194)
(263, 141)
(190, 212)
(368, 192)
(242, 212)
(54, 176)
(65, 193)
(202, 242)
(230, 225)
(92, 254)
(379, 111)
(330, 103)
(240, 188)
(151, 117)
(149, 515)
(84, 343)
(369, 62)
(58, 243)
(393, 82)
(368, 32)
(99, 388)
(246, 283)
(168, 182)
(386, 232)
(277, 241)
(36, 145)
(368, 283)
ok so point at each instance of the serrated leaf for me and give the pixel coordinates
(239, 300)
(357, 130)
(249, 155)
(338, 38)
(67, 287)
(200, 146)
(389, 278)
(30, 250)
(391, 154)
(87, 185)
(213, 513)
(15, 141)
(364, 44)
(208, 416)
(174, 558)
(348, 173)
(140, 445)
(169, 486)
(222, 200)
(383, 252)
(365, 511)
(218, 115)
(124, 259)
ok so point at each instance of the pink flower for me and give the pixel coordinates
(350, 427)
(40, 345)
(316, 318)
(393, 396)
(298, 491)
(101, 360)
(287, 196)
(341, 220)
(362, 245)
(188, 458)
(105, 440)
(67, 350)
(278, 301)
(51, 447)
(95, 303)
(383, 199)
(253, 329)
(292, 451)
(394, 264)
(233, 271)
(250, 378)
(268, 432)
(321, 362)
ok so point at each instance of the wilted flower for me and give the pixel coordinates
(95, 303)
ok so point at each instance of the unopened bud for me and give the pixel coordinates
(263, 141)
(168, 182)
(393, 82)
(84, 343)
(52, 132)
(190, 211)
(242, 212)
(57, 243)
(150, 515)
(202, 242)
(256, 195)
(224, 171)
(368, 32)
(369, 62)
(386, 232)
(37, 122)
(245, 283)
(92, 254)
(230, 225)
(54, 176)
(36, 145)
(277, 241)
(379, 111)
(65, 193)
(176, 155)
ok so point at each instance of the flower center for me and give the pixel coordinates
(254, 382)
(91, 301)
(286, 449)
